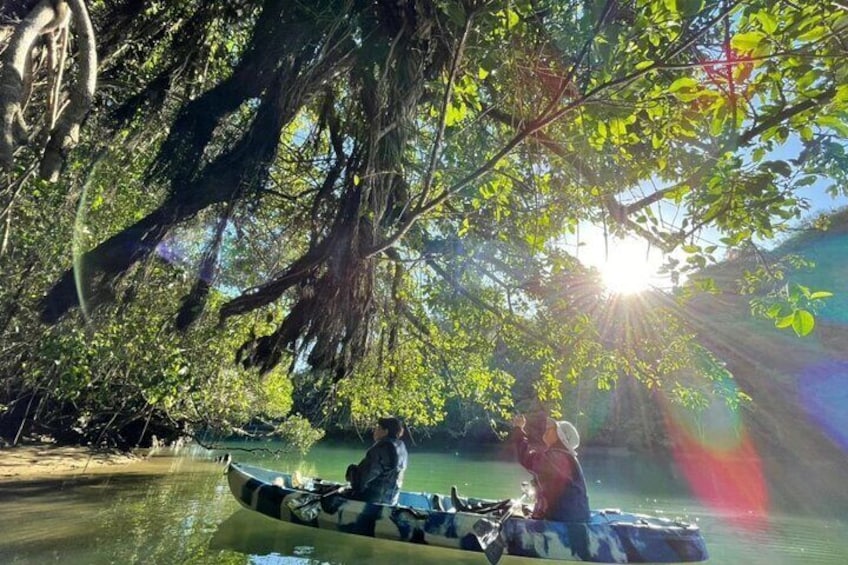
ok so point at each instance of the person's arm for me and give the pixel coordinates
(529, 457)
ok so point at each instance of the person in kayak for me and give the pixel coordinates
(379, 476)
(560, 485)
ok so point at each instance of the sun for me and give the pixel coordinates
(625, 277)
(629, 267)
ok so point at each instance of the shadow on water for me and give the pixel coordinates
(250, 534)
(67, 487)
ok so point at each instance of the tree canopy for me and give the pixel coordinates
(381, 198)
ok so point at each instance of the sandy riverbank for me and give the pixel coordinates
(48, 460)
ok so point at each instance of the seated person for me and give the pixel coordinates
(560, 486)
(379, 476)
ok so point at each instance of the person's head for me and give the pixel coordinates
(562, 434)
(388, 426)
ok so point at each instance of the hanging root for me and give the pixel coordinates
(15, 75)
(49, 18)
(57, 47)
(195, 301)
(65, 134)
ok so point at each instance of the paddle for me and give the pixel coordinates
(305, 506)
(488, 534)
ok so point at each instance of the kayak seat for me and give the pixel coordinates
(436, 503)
(457, 503)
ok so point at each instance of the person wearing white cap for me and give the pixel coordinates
(560, 485)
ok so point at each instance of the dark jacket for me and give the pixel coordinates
(379, 476)
(560, 486)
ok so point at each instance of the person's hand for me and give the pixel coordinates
(519, 421)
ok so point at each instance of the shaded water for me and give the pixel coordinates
(179, 510)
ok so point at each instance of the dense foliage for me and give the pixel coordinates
(371, 205)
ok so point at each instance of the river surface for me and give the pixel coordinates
(177, 508)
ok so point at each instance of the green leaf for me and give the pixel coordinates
(512, 19)
(834, 123)
(683, 82)
(656, 141)
(796, 291)
(690, 96)
(642, 65)
(618, 127)
(455, 114)
(774, 311)
(806, 133)
(747, 42)
(785, 321)
(840, 99)
(813, 35)
(670, 5)
(767, 21)
(464, 228)
(717, 123)
(820, 294)
(803, 322)
(807, 79)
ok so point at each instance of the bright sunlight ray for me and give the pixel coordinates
(629, 266)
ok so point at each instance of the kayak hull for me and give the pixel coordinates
(610, 536)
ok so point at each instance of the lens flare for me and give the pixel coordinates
(824, 396)
(78, 245)
(720, 462)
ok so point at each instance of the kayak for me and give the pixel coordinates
(610, 535)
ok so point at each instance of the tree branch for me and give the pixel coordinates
(440, 131)
(785, 114)
(531, 128)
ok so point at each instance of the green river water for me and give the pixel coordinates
(177, 508)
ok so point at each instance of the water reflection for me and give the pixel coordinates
(271, 542)
(179, 510)
(137, 517)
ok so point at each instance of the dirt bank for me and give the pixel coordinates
(40, 460)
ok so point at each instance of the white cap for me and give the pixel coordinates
(567, 434)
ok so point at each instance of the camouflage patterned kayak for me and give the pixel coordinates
(610, 536)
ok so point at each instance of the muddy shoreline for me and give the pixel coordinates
(50, 460)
